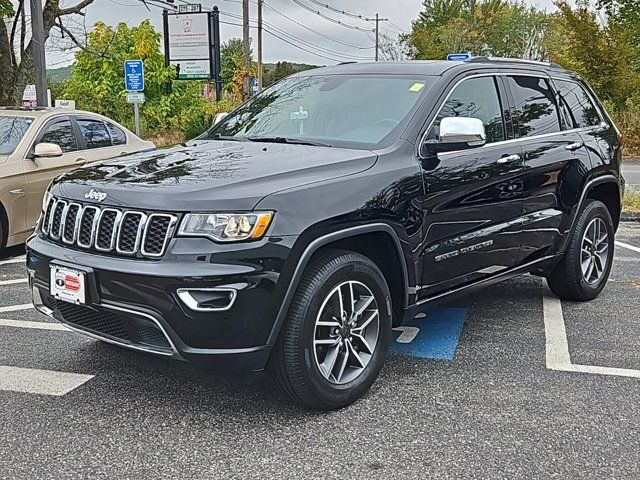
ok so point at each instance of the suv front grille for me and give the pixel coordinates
(108, 230)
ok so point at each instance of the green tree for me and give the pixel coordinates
(97, 82)
(482, 27)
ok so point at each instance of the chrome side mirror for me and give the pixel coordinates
(47, 150)
(457, 133)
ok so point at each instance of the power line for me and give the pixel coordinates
(287, 41)
(305, 42)
(361, 16)
(331, 19)
(328, 37)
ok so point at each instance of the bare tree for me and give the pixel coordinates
(16, 46)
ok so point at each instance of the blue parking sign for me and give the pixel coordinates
(133, 75)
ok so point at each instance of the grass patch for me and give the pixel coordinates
(631, 201)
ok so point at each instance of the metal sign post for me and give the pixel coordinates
(134, 82)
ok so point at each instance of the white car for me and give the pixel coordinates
(38, 144)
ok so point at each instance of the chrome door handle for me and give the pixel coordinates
(509, 158)
(18, 192)
(574, 146)
(81, 160)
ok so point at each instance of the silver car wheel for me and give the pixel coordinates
(346, 332)
(594, 253)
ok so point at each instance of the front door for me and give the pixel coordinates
(473, 202)
(40, 171)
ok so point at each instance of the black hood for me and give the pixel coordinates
(206, 175)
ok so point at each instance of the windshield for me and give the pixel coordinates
(12, 129)
(337, 110)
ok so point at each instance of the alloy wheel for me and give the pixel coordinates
(594, 253)
(346, 332)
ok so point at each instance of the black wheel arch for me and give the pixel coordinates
(342, 239)
(605, 188)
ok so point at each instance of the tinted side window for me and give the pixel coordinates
(61, 133)
(94, 133)
(535, 111)
(478, 98)
(117, 135)
(577, 105)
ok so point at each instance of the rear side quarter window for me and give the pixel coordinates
(577, 107)
(118, 137)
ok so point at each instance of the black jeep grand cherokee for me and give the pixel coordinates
(297, 232)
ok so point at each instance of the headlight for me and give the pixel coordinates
(226, 227)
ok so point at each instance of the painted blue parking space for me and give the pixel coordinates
(432, 336)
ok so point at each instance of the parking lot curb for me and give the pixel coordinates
(630, 217)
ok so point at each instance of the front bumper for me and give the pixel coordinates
(137, 303)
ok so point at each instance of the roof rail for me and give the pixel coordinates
(510, 60)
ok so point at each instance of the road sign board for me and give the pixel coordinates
(190, 8)
(135, 97)
(255, 86)
(134, 75)
(458, 56)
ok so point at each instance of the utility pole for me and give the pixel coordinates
(260, 6)
(377, 34)
(378, 20)
(37, 37)
(246, 86)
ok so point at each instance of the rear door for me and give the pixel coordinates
(40, 171)
(555, 160)
(473, 203)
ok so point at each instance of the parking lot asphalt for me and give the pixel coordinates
(631, 172)
(473, 398)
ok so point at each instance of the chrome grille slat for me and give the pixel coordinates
(71, 222)
(163, 224)
(129, 242)
(56, 223)
(108, 229)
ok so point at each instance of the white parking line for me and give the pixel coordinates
(20, 259)
(557, 347)
(16, 308)
(627, 246)
(4, 322)
(40, 382)
(14, 281)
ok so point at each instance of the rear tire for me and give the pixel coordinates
(327, 355)
(584, 270)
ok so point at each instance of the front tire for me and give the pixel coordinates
(584, 270)
(336, 334)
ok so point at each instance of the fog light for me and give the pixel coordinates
(208, 299)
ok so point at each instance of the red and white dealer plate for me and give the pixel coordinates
(67, 284)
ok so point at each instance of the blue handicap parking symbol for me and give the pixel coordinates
(432, 336)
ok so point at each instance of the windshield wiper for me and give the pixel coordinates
(292, 141)
(231, 138)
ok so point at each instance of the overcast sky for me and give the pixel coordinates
(330, 40)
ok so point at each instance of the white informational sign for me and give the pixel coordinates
(189, 45)
(135, 97)
(68, 104)
(29, 97)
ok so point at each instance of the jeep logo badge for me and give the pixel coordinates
(95, 195)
